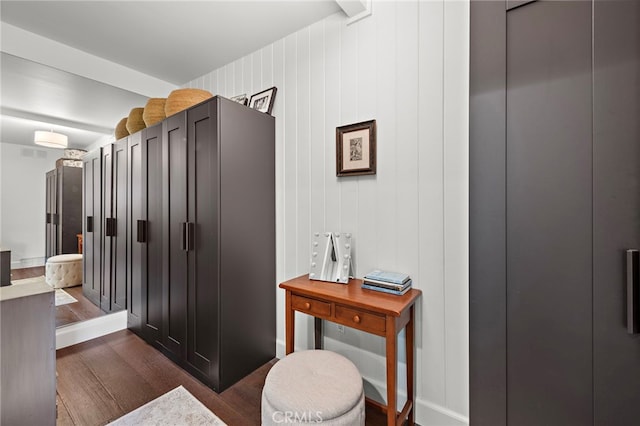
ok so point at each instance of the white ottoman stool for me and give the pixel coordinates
(313, 387)
(64, 270)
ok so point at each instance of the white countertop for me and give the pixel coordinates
(24, 290)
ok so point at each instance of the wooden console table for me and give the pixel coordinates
(374, 312)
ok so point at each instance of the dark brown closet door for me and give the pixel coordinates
(175, 190)
(616, 208)
(152, 260)
(51, 236)
(135, 239)
(203, 226)
(120, 229)
(107, 227)
(549, 277)
(92, 225)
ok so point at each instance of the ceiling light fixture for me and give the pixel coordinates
(50, 139)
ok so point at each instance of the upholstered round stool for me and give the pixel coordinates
(313, 387)
(64, 270)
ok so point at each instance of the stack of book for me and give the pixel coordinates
(387, 282)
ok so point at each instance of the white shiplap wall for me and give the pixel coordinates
(407, 67)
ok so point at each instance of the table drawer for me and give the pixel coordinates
(362, 320)
(313, 306)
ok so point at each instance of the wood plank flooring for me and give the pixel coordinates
(105, 378)
(22, 273)
(81, 310)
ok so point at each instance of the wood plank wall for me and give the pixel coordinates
(407, 67)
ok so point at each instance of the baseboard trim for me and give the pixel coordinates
(27, 263)
(427, 412)
(82, 331)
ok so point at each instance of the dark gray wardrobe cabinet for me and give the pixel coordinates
(554, 208)
(92, 225)
(113, 295)
(202, 263)
(63, 210)
(105, 226)
(144, 273)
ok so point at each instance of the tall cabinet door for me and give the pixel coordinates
(119, 227)
(136, 238)
(549, 214)
(174, 207)
(203, 239)
(50, 214)
(92, 225)
(144, 273)
(107, 227)
(151, 210)
(616, 208)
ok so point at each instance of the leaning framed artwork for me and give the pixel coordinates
(356, 149)
(263, 101)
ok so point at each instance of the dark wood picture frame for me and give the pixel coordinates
(359, 156)
(263, 101)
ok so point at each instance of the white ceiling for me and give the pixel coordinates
(171, 42)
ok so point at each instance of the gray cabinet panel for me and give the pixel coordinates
(487, 256)
(247, 270)
(549, 374)
(616, 207)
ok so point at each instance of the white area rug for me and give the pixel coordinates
(176, 407)
(62, 297)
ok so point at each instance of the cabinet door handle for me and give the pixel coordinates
(48, 217)
(110, 227)
(89, 223)
(142, 231)
(183, 236)
(632, 292)
(191, 235)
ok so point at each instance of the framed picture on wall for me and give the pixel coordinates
(263, 101)
(356, 149)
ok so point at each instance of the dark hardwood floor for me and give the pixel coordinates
(81, 310)
(67, 314)
(105, 378)
(22, 273)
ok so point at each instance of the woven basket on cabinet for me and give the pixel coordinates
(121, 129)
(135, 122)
(154, 111)
(181, 99)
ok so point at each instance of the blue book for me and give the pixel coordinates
(386, 276)
(388, 285)
(386, 290)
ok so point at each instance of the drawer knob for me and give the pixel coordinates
(307, 305)
(356, 319)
